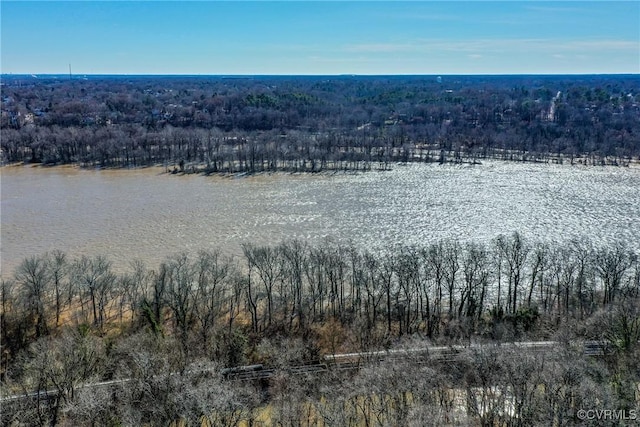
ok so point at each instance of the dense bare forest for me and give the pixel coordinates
(155, 342)
(252, 124)
(332, 334)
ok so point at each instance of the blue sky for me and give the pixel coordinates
(326, 37)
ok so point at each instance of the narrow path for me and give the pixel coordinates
(348, 361)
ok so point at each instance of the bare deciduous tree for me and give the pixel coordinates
(95, 281)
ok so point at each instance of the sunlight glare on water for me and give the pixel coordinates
(127, 214)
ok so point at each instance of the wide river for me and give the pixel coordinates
(127, 214)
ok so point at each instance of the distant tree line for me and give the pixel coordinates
(68, 321)
(216, 124)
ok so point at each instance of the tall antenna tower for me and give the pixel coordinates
(69, 71)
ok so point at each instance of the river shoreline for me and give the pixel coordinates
(202, 168)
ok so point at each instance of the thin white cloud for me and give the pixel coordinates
(555, 9)
(383, 47)
(495, 45)
(601, 44)
(350, 60)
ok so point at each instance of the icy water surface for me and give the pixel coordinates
(145, 214)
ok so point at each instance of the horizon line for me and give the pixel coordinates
(35, 75)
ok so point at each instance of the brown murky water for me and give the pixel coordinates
(146, 214)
